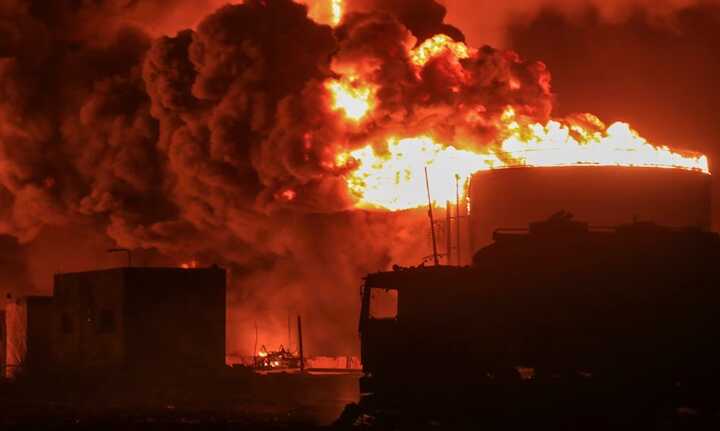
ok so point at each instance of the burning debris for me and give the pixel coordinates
(280, 359)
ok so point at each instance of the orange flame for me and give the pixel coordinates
(352, 96)
(558, 144)
(437, 45)
(393, 178)
(190, 265)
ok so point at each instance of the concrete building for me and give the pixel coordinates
(28, 334)
(141, 319)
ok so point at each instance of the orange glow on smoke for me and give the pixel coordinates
(328, 12)
(352, 96)
(437, 45)
(392, 177)
(190, 265)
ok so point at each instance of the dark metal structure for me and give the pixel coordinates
(567, 301)
(144, 319)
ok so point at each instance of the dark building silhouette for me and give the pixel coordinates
(634, 303)
(28, 334)
(146, 319)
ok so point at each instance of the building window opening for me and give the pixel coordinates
(383, 304)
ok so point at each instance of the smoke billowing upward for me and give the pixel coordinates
(220, 142)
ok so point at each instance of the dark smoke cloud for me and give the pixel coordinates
(424, 18)
(218, 143)
(657, 73)
(487, 21)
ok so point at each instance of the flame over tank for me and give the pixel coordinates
(388, 174)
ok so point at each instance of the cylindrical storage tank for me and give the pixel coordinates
(599, 195)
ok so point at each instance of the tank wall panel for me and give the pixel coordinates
(601, 196)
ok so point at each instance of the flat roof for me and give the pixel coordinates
(155, 269)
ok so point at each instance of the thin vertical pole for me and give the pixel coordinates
(448, 232)
(457, 220)
(432, 220)
(300, 345)
(255, 351)
(289, 346)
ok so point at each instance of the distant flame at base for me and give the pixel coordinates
(193, 264)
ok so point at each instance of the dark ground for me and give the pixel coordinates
(241, 400)
(237, 400)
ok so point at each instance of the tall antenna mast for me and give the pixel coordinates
(432, 220)
(457, 219)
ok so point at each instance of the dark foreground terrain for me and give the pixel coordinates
(237, 400)
(241, 400)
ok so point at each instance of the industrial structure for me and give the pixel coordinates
(631, 303)
(141, 319)
(599, 195)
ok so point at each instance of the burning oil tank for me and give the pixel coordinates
(600, 195)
